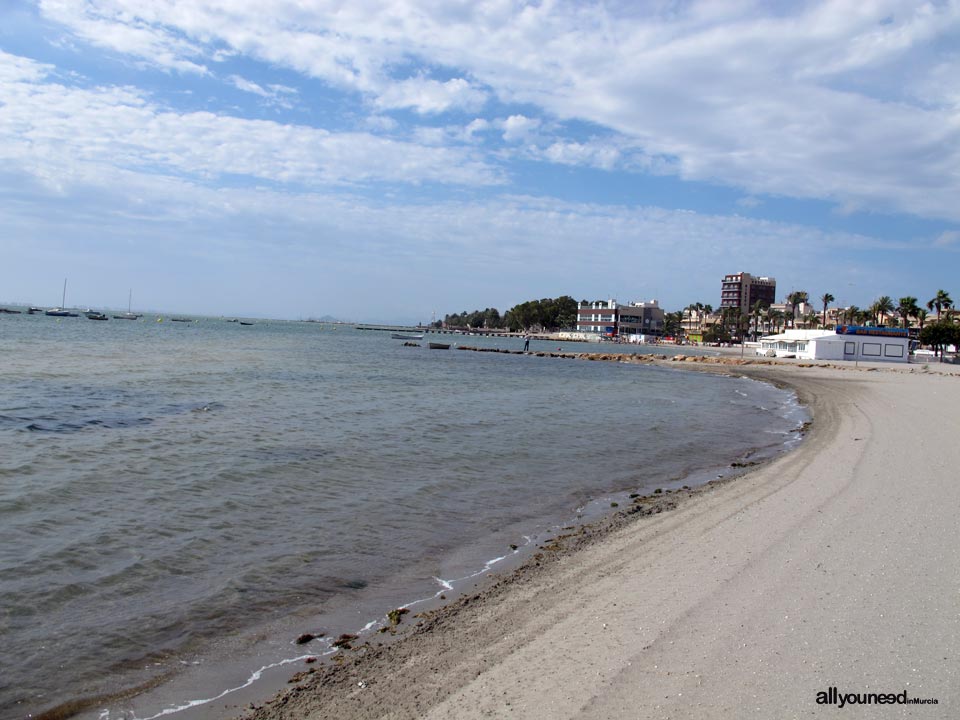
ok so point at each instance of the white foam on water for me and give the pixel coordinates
(256, 675)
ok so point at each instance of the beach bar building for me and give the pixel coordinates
(847, 342)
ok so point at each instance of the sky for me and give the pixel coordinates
(388, 161)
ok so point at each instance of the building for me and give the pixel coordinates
(640, 318)
(598, 317)
(742, 290)
(610, 319)
(847, 342)
(695, 322)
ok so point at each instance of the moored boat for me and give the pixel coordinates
(439, 346)
(93, 315)
(128, 315)
(406, 336)
(61, 311)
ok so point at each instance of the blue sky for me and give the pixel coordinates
(381, 161)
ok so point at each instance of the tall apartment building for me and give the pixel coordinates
(607, 317)
(742, 290)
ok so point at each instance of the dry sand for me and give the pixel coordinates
(834, 565)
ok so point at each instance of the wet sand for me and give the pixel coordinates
(831, 566)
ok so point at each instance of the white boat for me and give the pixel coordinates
(407, 336)
(61, 311)
(128, 315)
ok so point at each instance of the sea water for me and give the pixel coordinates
(179, 500)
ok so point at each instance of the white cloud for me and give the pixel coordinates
(277, 95)
(431, 96)
(803, 100)
(518, 127)
(593, 154)
(128, 29)
(58, 133)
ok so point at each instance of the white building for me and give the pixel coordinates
(846, 343)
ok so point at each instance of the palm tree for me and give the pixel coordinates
(921, 316)
(826, 299)
(906, 308)
(672, 323)
(795, 298)
(773, 319)
(758, 308)
(940, 301)
(780, 318)
(881, 308)
(850, 314)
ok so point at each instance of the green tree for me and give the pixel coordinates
(940, 301)
(826, 299)
(546, 313)
(906, 308)
(795, 299)
(881, 308)
(566, 312)
(757, 312)
(673, 323)
(716, 333)
(938, 335)
(776, 319)
(850, 315)
(921, 316)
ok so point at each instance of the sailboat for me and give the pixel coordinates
(61, 311)
(128, 315)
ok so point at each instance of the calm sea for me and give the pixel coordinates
(181, 500)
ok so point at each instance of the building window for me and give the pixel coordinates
(849, 348)
(870, 349)
(893, 351)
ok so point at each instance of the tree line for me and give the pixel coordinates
(547, 314)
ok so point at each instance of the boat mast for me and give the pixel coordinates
(63, 300)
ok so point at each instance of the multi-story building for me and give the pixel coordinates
(641, 318)
(742, 290)
(599, 316)
(607, 317)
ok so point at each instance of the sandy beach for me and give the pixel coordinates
(833, 566)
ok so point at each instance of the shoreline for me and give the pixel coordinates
(596, 515)
(453, 654)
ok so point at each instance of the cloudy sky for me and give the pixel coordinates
(381, 161)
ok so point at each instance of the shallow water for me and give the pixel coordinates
(163, 484)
